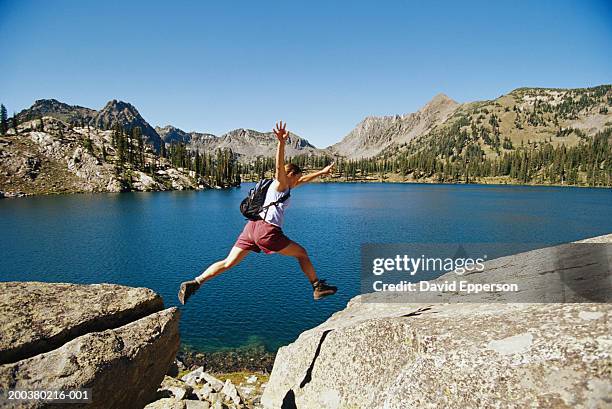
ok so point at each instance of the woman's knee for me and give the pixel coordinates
(301, 253)
(295, 250)
(228, 262)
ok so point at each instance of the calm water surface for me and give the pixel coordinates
(157, 240)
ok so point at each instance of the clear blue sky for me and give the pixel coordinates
(321, 66)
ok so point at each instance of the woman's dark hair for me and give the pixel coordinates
(292, 169)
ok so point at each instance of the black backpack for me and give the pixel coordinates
(253, 204)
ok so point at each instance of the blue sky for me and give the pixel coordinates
(320, 66)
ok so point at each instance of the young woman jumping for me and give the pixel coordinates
(266, 234)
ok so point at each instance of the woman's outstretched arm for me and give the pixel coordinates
(327, 170)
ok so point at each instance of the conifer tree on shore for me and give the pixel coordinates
(3, 120)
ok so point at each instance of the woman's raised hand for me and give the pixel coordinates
(281, 132)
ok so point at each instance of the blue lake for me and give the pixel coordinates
(157, 240)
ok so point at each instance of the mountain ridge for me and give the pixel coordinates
(535, 136)
(113, 113)
(376, 133)
(247, 143)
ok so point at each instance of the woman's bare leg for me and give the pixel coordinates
(235, 256)
(188, 288)
(299, 252)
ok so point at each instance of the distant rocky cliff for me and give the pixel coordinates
(524, 117)
(381, 354)
(117, 341)
(374, 134)
(48, 155)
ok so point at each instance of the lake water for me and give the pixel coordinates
(157, 240)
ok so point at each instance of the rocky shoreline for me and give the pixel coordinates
(201, 389)
(123, 344)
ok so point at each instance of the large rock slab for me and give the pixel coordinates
(121, 352)
(449, 355)
(38, 317)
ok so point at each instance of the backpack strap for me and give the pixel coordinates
(280, 200)
(263, 184)
(276, 202)
(284, 197)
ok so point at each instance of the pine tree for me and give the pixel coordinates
(15, 123)
(3, 120)
(88, 144)
(119, 145)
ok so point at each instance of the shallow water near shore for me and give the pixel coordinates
(159, 239)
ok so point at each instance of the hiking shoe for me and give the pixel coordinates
(188, 288)
(322, 289)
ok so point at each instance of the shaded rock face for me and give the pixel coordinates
(377, 354)
(125, 114)
(116, 340)
(374, 134)
(169, 134)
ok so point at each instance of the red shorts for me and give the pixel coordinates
(259, 235)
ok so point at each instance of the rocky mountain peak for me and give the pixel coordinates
(441, 98)
(249, 144)
(39, 103)
(439, 102)
(127, 116)
(117, 108)
(73, 114)
(376, 133)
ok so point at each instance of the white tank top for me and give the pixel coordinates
(275, 214)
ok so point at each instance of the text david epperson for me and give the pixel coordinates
(412, 266)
